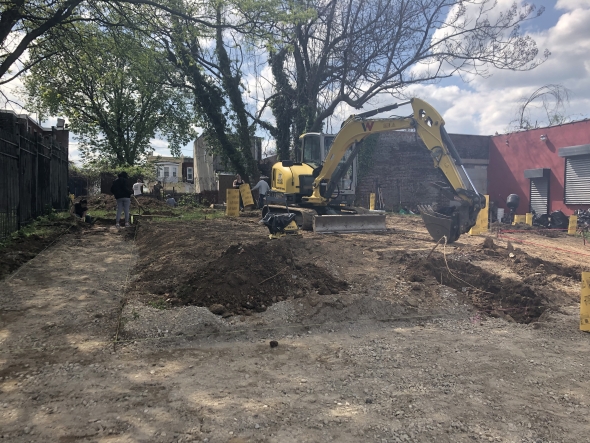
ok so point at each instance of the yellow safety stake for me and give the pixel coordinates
(573, 226)
(233, 203)
(372, 201)
(529, 218)
(246, 195)
(519, 219)
(481, 223)
(585, 303)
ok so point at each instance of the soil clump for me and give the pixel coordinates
(251, 277)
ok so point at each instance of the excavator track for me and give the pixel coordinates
(348, 221)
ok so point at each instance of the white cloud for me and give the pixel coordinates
(570, 5)
(489, 104)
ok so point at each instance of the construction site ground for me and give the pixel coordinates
(376, 340)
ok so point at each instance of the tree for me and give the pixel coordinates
(25, 23)
(350, 51)
(22, 22)
(209, 61)
(114, 88)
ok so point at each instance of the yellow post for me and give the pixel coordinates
(529, 218)
(372, 201)
(246, 195)
(585, 303)
(573, 226)
(233, 203)
(481, 224)
(519, 219)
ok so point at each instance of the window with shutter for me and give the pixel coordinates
(577, 180)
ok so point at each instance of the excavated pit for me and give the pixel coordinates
(522, 300)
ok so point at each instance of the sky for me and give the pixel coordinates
(486, 105)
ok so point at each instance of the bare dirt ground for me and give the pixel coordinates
(376, 342)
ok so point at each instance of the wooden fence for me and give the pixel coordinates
(33, 174)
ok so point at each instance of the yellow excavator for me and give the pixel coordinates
(311, 190)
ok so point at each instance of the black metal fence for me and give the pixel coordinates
(33, 174)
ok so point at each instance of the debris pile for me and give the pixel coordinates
(149, 205)
(109, 203)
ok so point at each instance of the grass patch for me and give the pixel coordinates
(176, 214)
(102, 213)
(24, 244)
(41, 227)
(157, 304)
(199, 214)
(188, 214)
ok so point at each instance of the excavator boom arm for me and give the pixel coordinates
(427, 122)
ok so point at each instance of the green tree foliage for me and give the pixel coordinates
(210, 60)
(22, 22)
(113, 86)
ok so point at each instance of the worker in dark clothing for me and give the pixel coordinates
(81, 211)
(158, 190)
(236, 185)
(121, 189)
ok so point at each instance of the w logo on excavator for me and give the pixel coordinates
(367, 126)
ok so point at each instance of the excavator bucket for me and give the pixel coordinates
(440, 225)
(330, 224)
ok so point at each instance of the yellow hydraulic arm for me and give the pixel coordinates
(427, 122)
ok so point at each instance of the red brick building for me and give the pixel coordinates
(548, 168)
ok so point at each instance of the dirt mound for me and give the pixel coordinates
(522, 263)
(525, 265)
(149, 205)
(251, 277)
(101, 202)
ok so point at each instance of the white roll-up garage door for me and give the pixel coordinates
(577, 180)
(540, 195)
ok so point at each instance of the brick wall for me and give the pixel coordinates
(403, 168)
(472, 146)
